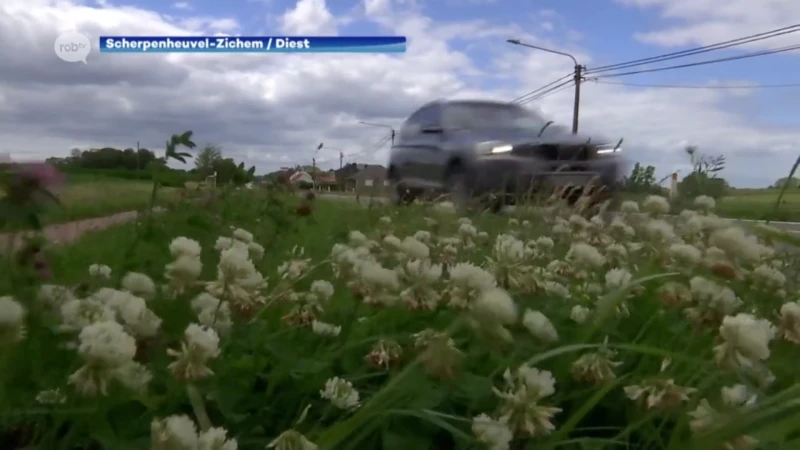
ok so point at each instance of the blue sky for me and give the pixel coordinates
(272, 110)
(606, 31)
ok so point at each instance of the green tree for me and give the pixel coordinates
(789, 182)
(700, 183)
(642, 180)
(205, 160)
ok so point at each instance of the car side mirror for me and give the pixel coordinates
(432, 130)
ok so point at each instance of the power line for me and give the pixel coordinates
(538, 90)
(548, 92)
(702, 63)
(698, 50)
(684, 86)
(376, 147)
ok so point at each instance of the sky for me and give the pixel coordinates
(272, 110)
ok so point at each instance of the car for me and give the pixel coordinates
(480, 149)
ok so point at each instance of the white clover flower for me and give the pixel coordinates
(745, 341)
(539, 326)
(54, 296)
(660, 230)
(556, 288)
(243, 235)
(580, 314)
(790, 322)
(656, 204)
(629, 206)
(736, 243)
(100, 270)
(200, 345)
(323, 289)
(685, 254)
(12, 320)
(139, 284)
(414, 248)
(618, 278)
(212, 312)
(292, 440)
(496, 306)
(183, 246)
(769, 276)
(521, 401)
(472, 276)
(255, 250)
(495, 434)
(705, 203)
(325, 329)
(586, 254)
(174, 433)
(340, 393)
(358, 238)
(216, 439)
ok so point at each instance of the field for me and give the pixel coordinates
(86, 197)
(760, 204)
(752, 204)
(273, 321)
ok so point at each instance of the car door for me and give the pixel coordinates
(426, 143)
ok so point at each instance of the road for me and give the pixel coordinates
(789, 227)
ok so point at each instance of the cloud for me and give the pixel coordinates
(309, 17)
(273, 110)
(704, 22)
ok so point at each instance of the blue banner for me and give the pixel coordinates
(252, 44)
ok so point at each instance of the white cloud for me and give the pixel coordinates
(704, 22)
(309, 17)
(270, 110)
(182, 5)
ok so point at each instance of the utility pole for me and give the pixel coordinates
(138, 172)
(577, 77)
(393, 133)
(341, 160)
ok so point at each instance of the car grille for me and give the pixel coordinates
(555, 153)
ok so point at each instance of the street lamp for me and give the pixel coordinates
(379, 125)
(577, 77)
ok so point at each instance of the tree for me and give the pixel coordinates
(700, 183)
(642, 180)
(703, 179)
(792, 183)
(208, 156)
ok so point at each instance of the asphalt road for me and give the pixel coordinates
(790, 227)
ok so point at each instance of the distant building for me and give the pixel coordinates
(369, 176)
(300, 176)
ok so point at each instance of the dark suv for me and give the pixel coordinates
(473, 148)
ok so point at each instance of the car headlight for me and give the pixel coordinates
(608, 150)
(501, 149)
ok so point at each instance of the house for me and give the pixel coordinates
(368, 177)
(301, 177)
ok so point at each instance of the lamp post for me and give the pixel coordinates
(577, 77)
(380, 125)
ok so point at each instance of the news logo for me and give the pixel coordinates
(72, 47)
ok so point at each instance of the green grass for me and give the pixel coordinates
(269, 371)
(86, 197)
(761, 204)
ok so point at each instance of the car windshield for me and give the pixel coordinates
(491, 115)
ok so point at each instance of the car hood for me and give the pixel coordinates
(551, 134)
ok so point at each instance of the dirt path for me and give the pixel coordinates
(64, 233)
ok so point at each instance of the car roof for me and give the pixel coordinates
(471, 102)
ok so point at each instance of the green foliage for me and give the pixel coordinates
(642, 180)
(699, 183)
(791, 183)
